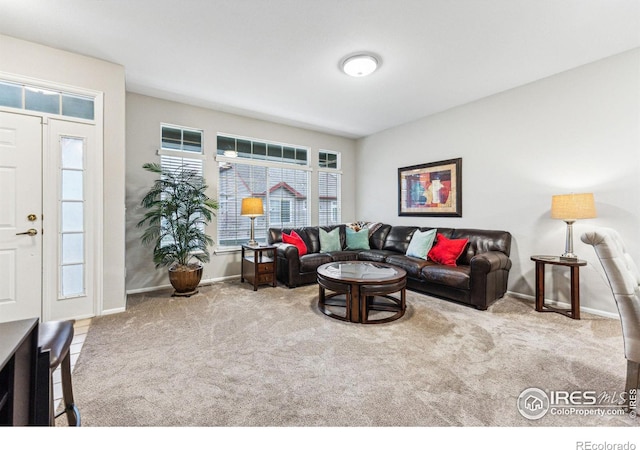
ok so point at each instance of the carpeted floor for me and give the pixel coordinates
(230, 356)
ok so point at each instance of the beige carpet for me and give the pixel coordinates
(230, 356)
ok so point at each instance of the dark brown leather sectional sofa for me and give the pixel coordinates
(479, 278)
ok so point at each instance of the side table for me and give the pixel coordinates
(574, 265)
(258, 265)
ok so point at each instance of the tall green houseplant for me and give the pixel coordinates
(178, 209)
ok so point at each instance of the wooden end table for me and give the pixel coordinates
(574, 264)
(258, 267)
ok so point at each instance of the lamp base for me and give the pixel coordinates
(568, 254)
(253, 243)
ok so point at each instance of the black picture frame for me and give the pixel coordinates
(432, 189)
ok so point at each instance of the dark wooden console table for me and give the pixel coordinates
(574, 265)
(24, 375)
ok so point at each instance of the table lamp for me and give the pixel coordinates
(570, 207)
(252, 208)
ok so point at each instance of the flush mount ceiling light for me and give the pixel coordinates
(360, 65)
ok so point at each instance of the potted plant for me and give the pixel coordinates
(177, 211)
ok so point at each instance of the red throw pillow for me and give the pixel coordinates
(447, 251)
(295, 239)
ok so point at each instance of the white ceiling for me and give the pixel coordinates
(278, 59)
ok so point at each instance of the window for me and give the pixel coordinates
(261, 150)
(34, 98)
(279, 212)
(278, 173)
(329, 203)
(181, 147)
(72, 263)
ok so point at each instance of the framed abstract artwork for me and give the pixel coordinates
(432, 189)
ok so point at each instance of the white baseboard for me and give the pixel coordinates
(168, 286)
(530, 298)
(107, 312)
(564, 305)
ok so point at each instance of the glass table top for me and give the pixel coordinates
(360, 270)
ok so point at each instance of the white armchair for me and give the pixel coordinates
(624, 278)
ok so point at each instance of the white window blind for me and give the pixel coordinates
(329, 178)
(181, 149)
(277, 173)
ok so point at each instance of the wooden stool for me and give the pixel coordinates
(56, 337)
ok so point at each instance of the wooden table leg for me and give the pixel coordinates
(539, 286)
(354, 305)
(575, 292)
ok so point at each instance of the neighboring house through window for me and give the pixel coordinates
(275, 172)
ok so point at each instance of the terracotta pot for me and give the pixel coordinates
(185, 279)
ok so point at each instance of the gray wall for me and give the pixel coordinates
(26, 59)
(577, 131)
(144, 116)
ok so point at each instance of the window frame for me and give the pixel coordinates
(182, 154)
(267, 164)
(58, 96)
(332, 211)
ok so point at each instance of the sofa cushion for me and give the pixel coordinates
(482, 241)
(398, 239)
(357, 240)
(373, 227)
(457, 277)
(412, 265)
(344, 255)
(421, 243)
(311, 237)
(447, 251)
(330, 240)
(310, 262)
(375, 255)
(378, 236)
(295, 239)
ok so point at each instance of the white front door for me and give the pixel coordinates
(20, 216)
(47, 235)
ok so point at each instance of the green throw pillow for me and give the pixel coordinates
(358, 240)
(330, 242)
(421, 243)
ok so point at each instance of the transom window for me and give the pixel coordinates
(32, 98)
(328, 160)
(181, 139)
(261, 150)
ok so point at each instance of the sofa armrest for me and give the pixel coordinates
(287, 251)
(289, 268)
(489, 274)
(489, 262)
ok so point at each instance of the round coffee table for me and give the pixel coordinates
(360, 287)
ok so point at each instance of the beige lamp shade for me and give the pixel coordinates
(252, 207)
(573, 206)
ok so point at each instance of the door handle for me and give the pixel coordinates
(30, 232)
